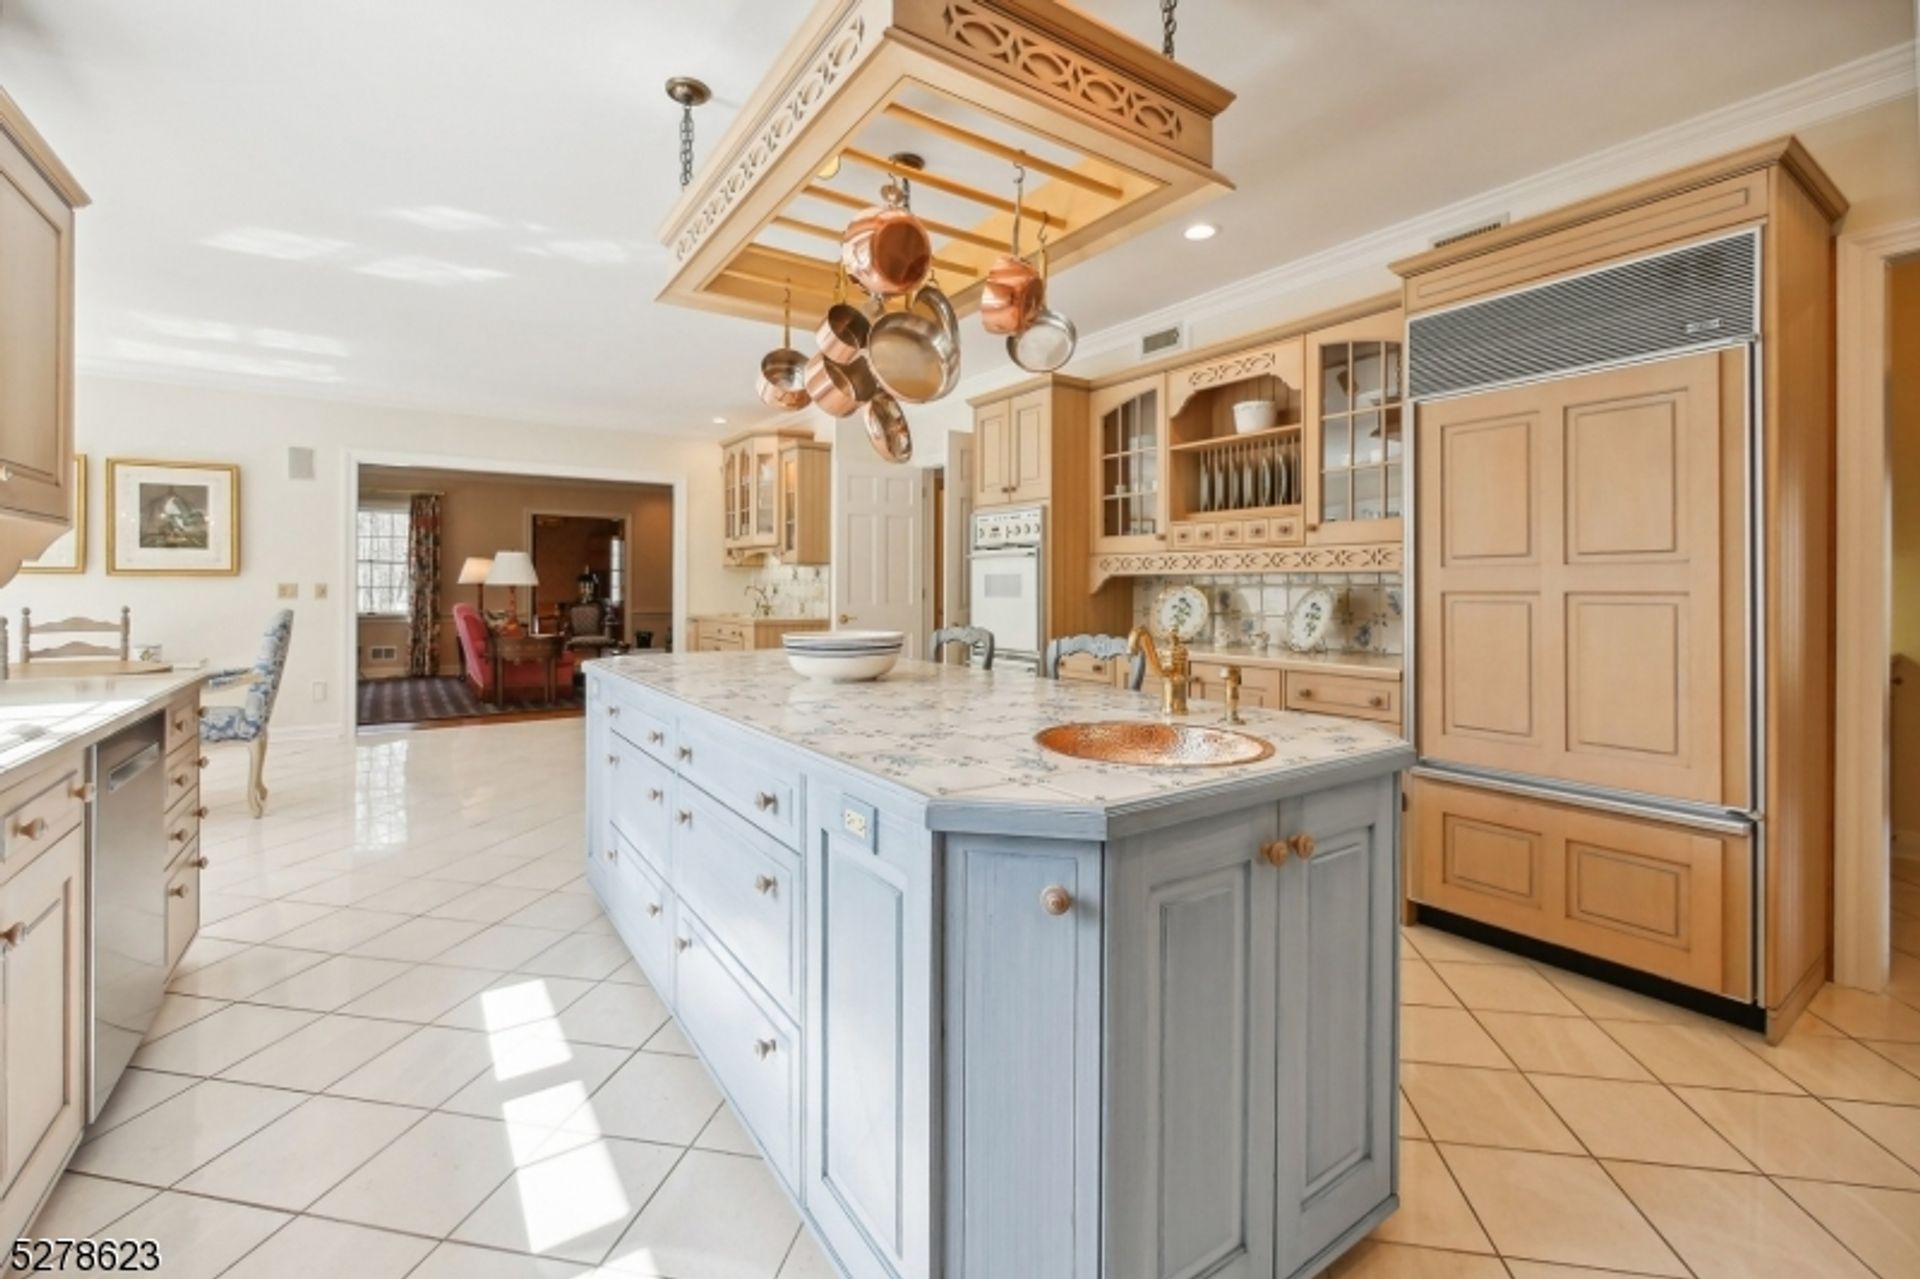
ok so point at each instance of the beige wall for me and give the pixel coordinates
(484, 513)
(1874, 158)
(1903, 439)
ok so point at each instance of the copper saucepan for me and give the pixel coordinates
(1013, 291)
(840, 389)
(887, 428)
(886, 250)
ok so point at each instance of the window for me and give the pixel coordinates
(385, 581)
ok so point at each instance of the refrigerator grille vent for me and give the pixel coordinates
(1702, 295)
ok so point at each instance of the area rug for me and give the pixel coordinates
(425, 699)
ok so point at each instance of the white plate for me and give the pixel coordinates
(1308, 620)
(842, 669)
(1181, 609)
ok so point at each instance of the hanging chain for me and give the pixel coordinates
(686, 145)
(1168, 25)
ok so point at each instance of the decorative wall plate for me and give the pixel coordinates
(1308, 620)
(1182, 611)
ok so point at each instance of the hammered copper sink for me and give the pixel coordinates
(1154, 744)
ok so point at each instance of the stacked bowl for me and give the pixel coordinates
(843, 657)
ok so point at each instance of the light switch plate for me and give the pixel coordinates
(319, 590)
(289, 590)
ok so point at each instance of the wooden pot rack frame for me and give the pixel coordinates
(1114, 138)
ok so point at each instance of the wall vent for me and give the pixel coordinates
(1162, 341)
(1481, 227)
(1704, 295)
(299, 463)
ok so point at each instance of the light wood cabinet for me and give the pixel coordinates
(754, 491)
(37, 201)
(744, 634)
(806, 499)
(1015, 437)
(1129, 460)
(1354, 432)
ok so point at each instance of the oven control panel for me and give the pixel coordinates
(1008, 528)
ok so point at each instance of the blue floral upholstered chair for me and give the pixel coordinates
(247, 722)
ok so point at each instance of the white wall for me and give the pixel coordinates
(297, 531)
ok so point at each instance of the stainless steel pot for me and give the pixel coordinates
(783, 373)
(915, 358)
(887, 428)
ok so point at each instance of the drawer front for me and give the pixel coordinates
(642, 909)
(1206, 535)
(1344, 695)
(183, 772)
(1286, 530)
(747, 889)
(763, 791)
(39, 812)
(183, 826)
(633, 719)
(725, 634)
(710, 643)
(183, 722)
(1257, 532)
(1232, 533)
(1080, 668)
(183, 905)
(640, 799)
(1259, 685)
(1665, 899)
(752, 1052)
(1185, 535)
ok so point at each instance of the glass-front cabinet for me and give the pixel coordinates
(1355, 431)
(1129, 435)
(750, 469)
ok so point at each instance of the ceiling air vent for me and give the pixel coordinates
(1468, 232)
(1161, 341)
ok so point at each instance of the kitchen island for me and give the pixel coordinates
(993, 1011)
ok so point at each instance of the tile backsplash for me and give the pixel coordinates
(795, 591)
(1367, 615)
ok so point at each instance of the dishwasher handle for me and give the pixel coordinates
(132, 766)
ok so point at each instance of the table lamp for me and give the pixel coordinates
(474, 573)
(512, 569)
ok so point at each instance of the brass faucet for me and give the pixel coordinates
(1231, 677)
(1174, 673)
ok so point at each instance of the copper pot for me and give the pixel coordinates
(1011, 296)
(886, 249)
(887, 428)
(839, 389)
(783, 373)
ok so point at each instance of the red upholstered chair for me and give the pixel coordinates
(476, 659)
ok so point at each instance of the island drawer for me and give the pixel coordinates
(183, 905)
(183, 771)
(764, 792)
(636, 723)
(642, 909)
(183, 825)
(1344, 695)
(183, 722)
(1084, 668)
(746, 887)
(40, 810)
(640, 795)
(1259, 685)
(752, 1051)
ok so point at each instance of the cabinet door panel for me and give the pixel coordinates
(42, 1023)
(1190, 1013)
(867, 1174)
(992, 472)
(1023, 1066)
(1338, 1059)
(1030, 451)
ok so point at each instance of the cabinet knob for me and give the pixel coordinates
(613, 712)
(612, 856)
(765, 884)
(686, 753)
(684, 817)
(765, 801)
(847, 619)
(683, 944)
(84, 792)
(653, 908)
(1055, 900)
(612, 758)
(12, 936)
(202, 762)
(180, 780)
(1276, 851)
(201, 863)
(655, 794)
(1306, 694)
(179, 836)
(178, 890)
(1302, 846)
(201, 812)
(656, 738)
(1376, 701)
(763, 1048)
(31, 830)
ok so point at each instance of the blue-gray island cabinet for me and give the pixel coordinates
(991, 1012)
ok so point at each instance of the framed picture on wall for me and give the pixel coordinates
(179, 519)
(68, 552)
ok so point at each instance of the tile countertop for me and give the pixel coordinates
(41, 716)
(1364, 665)
(957, 737)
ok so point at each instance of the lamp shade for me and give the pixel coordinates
(512, 568)
(474, 571)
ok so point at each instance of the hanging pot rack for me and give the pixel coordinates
(1119, 137)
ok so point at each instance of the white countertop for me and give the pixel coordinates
(40, 716)
(955, 733)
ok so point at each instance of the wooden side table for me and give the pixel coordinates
(529, 647)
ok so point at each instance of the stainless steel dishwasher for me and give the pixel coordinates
(129, 875)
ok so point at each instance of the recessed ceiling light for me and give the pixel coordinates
(1202, 231)
(719, 421)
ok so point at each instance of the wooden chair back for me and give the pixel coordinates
(974, 637)
(123, 650)
(1103, 647)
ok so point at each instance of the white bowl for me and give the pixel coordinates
(843, 639)
(842, 668)
(1255, 415)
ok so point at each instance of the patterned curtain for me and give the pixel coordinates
(423, 564)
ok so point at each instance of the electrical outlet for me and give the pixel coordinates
(319, 590)
(319, 690)
(289, 590)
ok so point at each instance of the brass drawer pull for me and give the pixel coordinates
(1055, 900)
(683, 944)
(180, 836)
(1276, 852)
(655, 794)
(612, 758)
(201, 812)
(1306, 694)
(13, 936)
(763, 1048)
(686, 753)
(31, 830)
(1376, 701)
(766, 801)
(684, 817)
(202, 762)
(613, 712)
(84, 792)
(1302, 846)
(182, 780)
(653, 908)
(656, 738)
(201, 863)
(178, 890)
(765, 884)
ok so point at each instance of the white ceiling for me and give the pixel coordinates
(452, 202)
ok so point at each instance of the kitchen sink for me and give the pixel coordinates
(1154, 743)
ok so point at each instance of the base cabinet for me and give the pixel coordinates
(1170, 1054)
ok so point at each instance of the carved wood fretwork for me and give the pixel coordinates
(1383, 557)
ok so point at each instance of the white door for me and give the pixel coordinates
(880, 558)
(958, 534)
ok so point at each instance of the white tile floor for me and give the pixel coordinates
(408, 1044)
